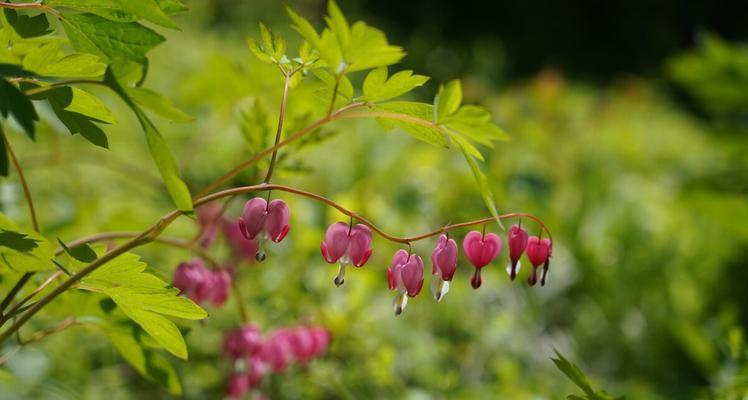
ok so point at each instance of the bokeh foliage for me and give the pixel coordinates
(646, 201)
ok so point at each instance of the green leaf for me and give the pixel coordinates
(26, 26)
(127, 339)
(145, 299)
(14, 102)
(160, 152)
(13, 70)
(83, 253)
(112, 41)
(77, 110)
(272, 48)
(448, 100)
(24, 252)
(171, 7)
(475, 123)
(573, 373)
(412, 118)
(120, 10)
(378, 88)
(338, 24)
(480, 178)
(368, 48)
(158, 104)
(48, 60)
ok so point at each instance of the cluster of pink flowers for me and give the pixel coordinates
(201, 284)
(213, 223)
(348, 244)
(254, 356)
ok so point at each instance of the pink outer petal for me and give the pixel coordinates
(359, 249)
(321, 339)
(254, 216)
(237, 386)
(481, 250)
(391, 282)
(444, 258)
(538, 250)
(336, 241)
(412, 275)
(219, 292)
(394, 272)
(189, 275)
(277, 222)
(517, 240)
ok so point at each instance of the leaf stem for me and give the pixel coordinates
(281, 117)
(22, 178)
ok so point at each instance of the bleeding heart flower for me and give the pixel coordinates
(539, 252)
(265, 221)
(480, 250)
(189, 276)
(405, 275)
(346, 245)
(276, 351)
(321, 339)
(444, 261)
(243, 342)
(517, 240)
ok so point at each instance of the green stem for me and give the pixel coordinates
(281, 117)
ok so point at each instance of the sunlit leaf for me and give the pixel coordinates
(158, 104)
(120, 10)
(48, 60)
(23, 251)
(378, 88)
(448, 99)
(480, 177)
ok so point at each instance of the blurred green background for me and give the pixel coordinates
(630, 145)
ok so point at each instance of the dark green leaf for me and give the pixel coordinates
(13, 70)
(17, 241)
(83, 253)
(3, 159)
(112, 41)
(160, 152)
(26, 26)
(77, 109)
(574, 373)
(14, 102)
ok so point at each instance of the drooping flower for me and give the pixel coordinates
(405, 275)
(444, 261)
(189, 276)
(480, 250)
(538, 252)
(346, 245)
(265, 221)
(242, 342)
(517, 240)
(321, 339)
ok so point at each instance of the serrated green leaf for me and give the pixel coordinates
(160, 328)
(119, 10)
(338, 24)
(21, 251)
(304, 27)
(159, 150)
(128, 341)
(48, 60)
(573, 373)
(480, 178)
(14, 102)
(475, 123)
(110, 40)
(413, 118)
(158, 104)
(378, 88)
(368, 48)
(448, 99)
(27, 26)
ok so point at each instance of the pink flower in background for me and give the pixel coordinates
(210, 219)
(241, 248)
(237, 386)
(480, 250)
(444, 261)
(201, 284)
(346, 245)
(517, 240)
(276, 351)
(405, 275)
(243, 342)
